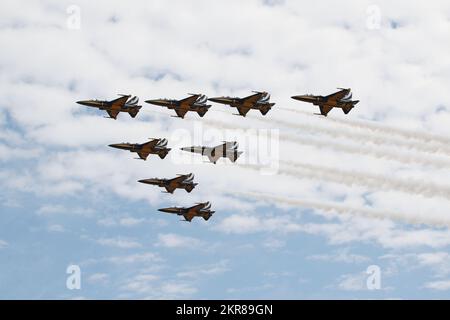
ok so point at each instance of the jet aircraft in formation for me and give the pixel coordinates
(225, 150)
(125, 103)
(154, 146)
(195, 103)
(182, 181)
(258, 101)
(341, 99)
(199, 210)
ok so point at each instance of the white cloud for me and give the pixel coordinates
(51, 209)
(173, 289)
(136, 258)
(274, 244)
(438, 285)
(342, 255)
(243, 224)
(56, 228)
(3, 244)
(353, 282)
(98, 278)
(119, 243)
(125, 222)
(171, 240)
(129, 221)
(205, 270)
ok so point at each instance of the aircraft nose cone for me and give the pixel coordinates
(305, 98)
(217, 99)
(166, 210)
(148, 181)
(84, 102)
(155, 101)
(119, 146)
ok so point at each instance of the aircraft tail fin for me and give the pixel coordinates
(134, 111)
(266, 108)
(233, 156)
(347, 109)
(163, 153)
(202, 112)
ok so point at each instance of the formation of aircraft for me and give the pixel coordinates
(341, 99)
(195, 103)
(258, 101)
(198, 103)
(125, 103)
(199, 210)
(182, 181)
(224, 150)
(154, 146)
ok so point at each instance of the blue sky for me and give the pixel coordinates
(348, 191)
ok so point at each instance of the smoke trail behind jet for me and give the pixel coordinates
(437, 220)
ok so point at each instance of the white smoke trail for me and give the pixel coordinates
(373, 181)
(388, 154)
(334, 207)
(376, 152)
(383, 129)
(364, 137)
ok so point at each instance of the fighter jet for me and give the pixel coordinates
(183, 181)
(225, 150)
(199, 210)
(125, 103)
(154, 146)
(340, 99)
(195, 103)
(258, 101)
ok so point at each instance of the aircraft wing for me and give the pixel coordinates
(113, 113)
(324, 109)
(170, 189)
(243, 110)
(338, 95)
(214, 159)
(253, 98)
(119, 102)
(143, 155)
(151, 144)
(178, 179)
(196, 207)
(181, 112)
(190, 100)
(189, 216)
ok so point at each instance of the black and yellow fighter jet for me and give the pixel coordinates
(199, 210)
(225, 150)
(195, 103)
(258, 101)
(341, 99)
(154, 146)
(125, 103)
(183, 181)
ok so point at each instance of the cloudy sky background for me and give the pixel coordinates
(335, 195)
